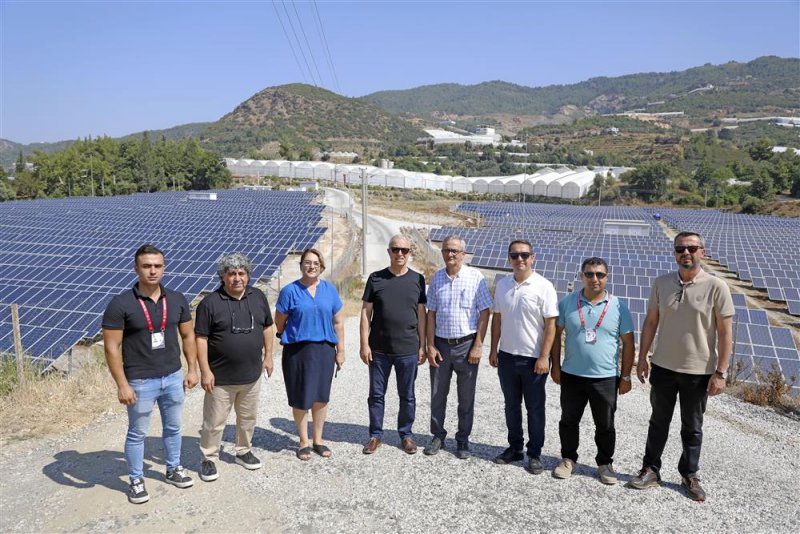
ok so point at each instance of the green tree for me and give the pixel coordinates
(650, 180)
(762, 187)
(762, 149)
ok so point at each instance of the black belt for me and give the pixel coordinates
(456, 340)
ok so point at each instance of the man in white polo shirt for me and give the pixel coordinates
(523, 329)
(595, 322)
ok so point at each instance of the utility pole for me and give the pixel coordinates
(91, 172)
(363, 223)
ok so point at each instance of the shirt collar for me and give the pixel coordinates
(221, 290)
(140, 296)
(584, 299)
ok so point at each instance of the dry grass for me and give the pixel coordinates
(772, 389)
(55, 403)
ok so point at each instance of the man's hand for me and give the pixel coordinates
(716, 384)
(624, 386)
(542, 366)
(190, 380)
(207, 381)
(366, 354)
(642, 369)
(339, 360)
(422, 356)
(268, 365)
(126, 395)
(434, 357)
(475, 354)
(493, 358)
(555, 374)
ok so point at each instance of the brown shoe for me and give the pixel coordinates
(409, 446)
(372, 445)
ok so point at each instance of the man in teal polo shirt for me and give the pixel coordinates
(595, 322)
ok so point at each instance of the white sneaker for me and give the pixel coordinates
(564, 469)
(606, 474)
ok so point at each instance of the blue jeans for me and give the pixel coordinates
(518, 382)
(406, 373)
(167, 391)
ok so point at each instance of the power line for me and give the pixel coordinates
(294, 54)
(299, 44)
(328, 57)
(305, 38)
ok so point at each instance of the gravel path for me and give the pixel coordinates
(76, 482)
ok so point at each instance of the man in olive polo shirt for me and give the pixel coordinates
(692, 312)
(140, 336)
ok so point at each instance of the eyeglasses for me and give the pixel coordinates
(518, 255)
(451, 251)
(311, 264)
(400, 250)
(592, 274)
(680, 249)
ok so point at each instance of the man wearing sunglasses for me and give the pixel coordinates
(234, 346)
(595, 322)
(692, 312)
(393, 335)
(523, 327)
(458, 313)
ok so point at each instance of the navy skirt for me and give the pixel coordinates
(308, 372)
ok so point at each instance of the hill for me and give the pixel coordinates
(764, 85)
(301, 114)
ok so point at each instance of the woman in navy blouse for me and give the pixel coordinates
(310, 324)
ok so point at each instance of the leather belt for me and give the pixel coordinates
(456, 340)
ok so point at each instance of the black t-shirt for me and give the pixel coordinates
(139, 359)
(393, 329)
(235, 332)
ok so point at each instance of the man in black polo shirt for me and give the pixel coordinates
(233, 327)
(393, 335)
(140, 335)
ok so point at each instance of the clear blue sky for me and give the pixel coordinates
(74, 69)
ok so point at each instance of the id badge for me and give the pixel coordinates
(591, 336)
(157, 340)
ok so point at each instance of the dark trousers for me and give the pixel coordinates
(518, 382)
(455, 358)
(665, 388)
(601, 395)
(406, 374)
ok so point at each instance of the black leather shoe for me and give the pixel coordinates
(693, 488)
(534, 466)
(508, 456)
(462, 450)
(433, 447)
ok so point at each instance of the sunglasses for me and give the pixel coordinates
(451, 251)
(691, 248)
(400, 250)
(592, 274)
(518, 255)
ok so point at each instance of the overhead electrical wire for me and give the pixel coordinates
(308, 45)
(299, 44)
(288, 40)
(324, 40)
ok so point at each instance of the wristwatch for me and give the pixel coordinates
(721, 374)
(626, 378)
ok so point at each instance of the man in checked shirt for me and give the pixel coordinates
(458, 314)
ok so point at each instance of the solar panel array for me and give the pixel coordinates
(764, 250)
(62, 260)
(563, 236)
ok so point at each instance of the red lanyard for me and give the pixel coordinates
(147, 315)
(602, 315)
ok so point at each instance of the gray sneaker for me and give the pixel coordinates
(647, 478)
(433, 447)
(606, 474)
(564, 469)
(178, 478)
(208, 471)
(249, 460)
(137, 494)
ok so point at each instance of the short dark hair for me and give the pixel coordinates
(520, 242)
(594, 260)
(146, 249)
(681, 235)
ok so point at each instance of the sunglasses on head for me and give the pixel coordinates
(400, 250)
(592, 274)
(691, 248)
(518, 255)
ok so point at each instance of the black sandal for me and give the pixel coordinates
(304, 453)
(322, 450)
